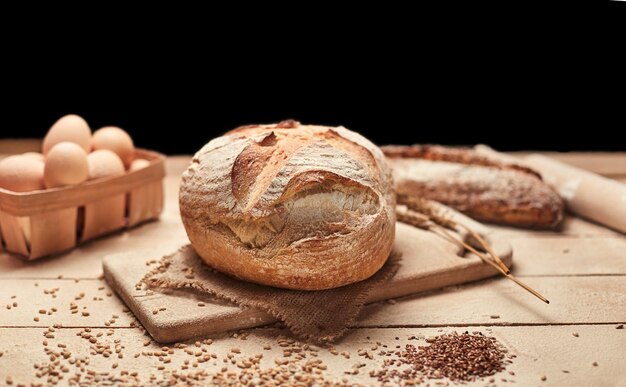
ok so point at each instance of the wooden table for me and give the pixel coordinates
(582, 269)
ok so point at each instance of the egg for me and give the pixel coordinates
(21, 174)
(71, 128)
(116, 140)
(139, 164)
(34, 155)
(103, 163)
(66, 164)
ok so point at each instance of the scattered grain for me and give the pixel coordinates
(458, 357)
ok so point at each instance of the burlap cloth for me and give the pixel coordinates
(320, 316)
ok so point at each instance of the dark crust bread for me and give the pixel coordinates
(485, 188)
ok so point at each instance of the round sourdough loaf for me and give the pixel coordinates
(290, 205)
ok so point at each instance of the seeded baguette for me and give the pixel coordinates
(482, 187)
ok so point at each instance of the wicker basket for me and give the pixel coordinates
(40, 223)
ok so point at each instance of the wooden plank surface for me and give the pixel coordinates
(567, 255)
(571, 226)
(47, 302)
(552, 352)
(585, 284)
(426, 261)
(574, 300)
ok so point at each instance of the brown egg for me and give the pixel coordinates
(116, 140)
(66, 164)
(71, 128)
(103, 163)
(21, 174)
(139, 164)
(34, 155)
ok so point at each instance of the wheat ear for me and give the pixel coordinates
(430, 215)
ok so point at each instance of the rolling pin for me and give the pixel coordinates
(586, 194)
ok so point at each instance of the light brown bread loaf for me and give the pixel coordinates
(290, 205)
(483, 187)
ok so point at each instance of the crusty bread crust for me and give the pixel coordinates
(484, 188)
(290, 205)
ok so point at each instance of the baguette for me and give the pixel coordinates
(484, 188)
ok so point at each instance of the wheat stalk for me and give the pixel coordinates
(432, 216)
(441, 215)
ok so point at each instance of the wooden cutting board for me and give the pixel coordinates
(427, 262)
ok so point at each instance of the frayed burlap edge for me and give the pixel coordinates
(303, 331)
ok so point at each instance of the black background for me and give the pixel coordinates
(515, 85)
(509, 117)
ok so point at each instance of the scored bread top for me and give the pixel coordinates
(260, 181)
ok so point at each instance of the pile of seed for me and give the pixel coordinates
(458, 357)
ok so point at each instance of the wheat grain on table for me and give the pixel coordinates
(573, 341)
